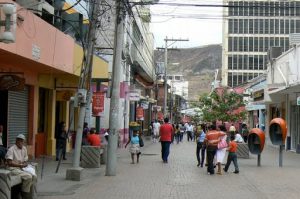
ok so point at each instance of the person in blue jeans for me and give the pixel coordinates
(200, 146)
(166, 132)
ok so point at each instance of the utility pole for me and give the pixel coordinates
(81, 100)
(115, 92)
(166, 65)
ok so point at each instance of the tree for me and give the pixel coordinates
(222, 105)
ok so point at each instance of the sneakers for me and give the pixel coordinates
(224, 170)
(236, 172)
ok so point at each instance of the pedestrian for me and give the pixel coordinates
(85, 133)
(2, 148)
(17, 158)
(245, 132)
(238, 138)
(165, 133)
(212, 140)
(93, 138)
(156, 126)
(200, 146)
(232, 156)
(221, 152)
(134, 148)
(182, 129)
(61, 140)
(177, 134)
(189, 130)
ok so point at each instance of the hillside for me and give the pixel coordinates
(197, 65)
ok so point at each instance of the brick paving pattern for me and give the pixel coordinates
(179, 179)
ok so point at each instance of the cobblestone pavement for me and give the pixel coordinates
(180, 178)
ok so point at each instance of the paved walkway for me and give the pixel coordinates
(180, 178)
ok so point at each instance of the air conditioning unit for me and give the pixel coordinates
(274, 52)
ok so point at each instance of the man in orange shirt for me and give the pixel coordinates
(165, 133)
(93, 139)
(212, 139)
(232, 156)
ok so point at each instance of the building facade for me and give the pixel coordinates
(250, 28)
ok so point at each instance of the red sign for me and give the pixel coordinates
(139, 113)
(98, 103)
(160, 116)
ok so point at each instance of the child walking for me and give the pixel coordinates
(232, 156)
(134, 149)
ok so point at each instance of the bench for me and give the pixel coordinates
(8, 181)
(242, 150)
(91, 156)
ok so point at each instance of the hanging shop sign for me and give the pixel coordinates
(156, 108)
(144, 104)
(11, 82)
(134, 95)
(98, 103)
(140, 113)
(160, 116)
(298, 101)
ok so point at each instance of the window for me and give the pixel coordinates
(255, 44)
(292, 30)
(261, 44)
(235, 44)
(276, 26)
(234, 80)
(229, 79)
(271, 42)
(240, 78)
(241, 44)
(267, 26)
(277, 41)
(272, 26)
(256, 26)
(250, 44)
(276, 8)
(251, 9)
(256, 9)
(250, 62)
(246, 44)
(261, 8)
(287, 10)
(267, 8)
(250, 26)
(292, 8)
(266, 44)
(282, 8)
(240, 62)
(287, 26)
(230, 44)
(246, 8)
(255, 62)
(261, 26)
(235, 26)
(287, 44)
(241, 31)
(246, 62)
(235, 11)
(230, 28)
(246, 26)
(230, 9)
(230, 62)
(241, 8)
(297, 8)
(261, 62)
(234, 64)
(281, 26)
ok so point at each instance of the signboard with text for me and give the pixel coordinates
(98, 103)
(139, 113)
(134, 95)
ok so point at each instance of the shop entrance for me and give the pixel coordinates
(3, 115)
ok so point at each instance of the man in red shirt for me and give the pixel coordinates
(165, 133)
(93, 139)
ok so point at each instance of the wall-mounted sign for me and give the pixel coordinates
(258, 95)
(98, 103)
(36, 52)
(11, 82)
(64, 95)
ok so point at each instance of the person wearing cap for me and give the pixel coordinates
(17, 158)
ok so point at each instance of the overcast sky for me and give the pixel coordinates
(201, 25)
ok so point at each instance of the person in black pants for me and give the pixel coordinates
(200, 146)
(61, 140)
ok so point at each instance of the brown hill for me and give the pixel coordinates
(197, 65)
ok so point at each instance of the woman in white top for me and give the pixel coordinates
(221, 152)
(238, 138)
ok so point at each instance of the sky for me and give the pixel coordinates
(201, 25)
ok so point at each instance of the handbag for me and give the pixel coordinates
(222, 143)
(141, 142)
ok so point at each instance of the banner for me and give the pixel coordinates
(98, 103)
(139, 113)
(134, 95)
(144, 104)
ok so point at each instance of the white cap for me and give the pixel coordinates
(21, 136)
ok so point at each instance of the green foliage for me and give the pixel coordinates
(221, 106)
